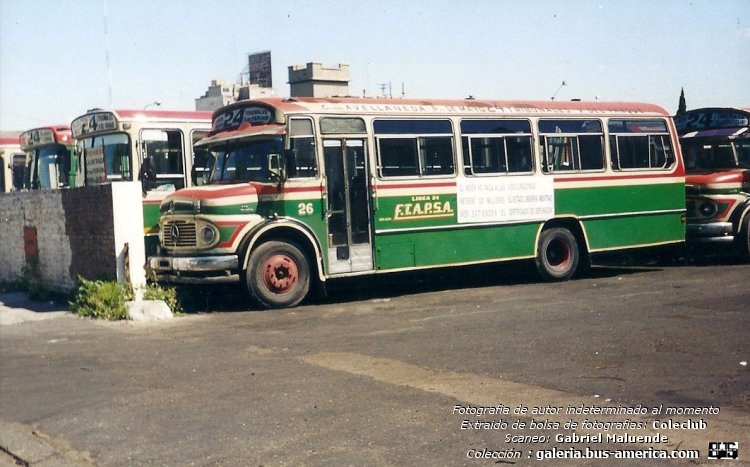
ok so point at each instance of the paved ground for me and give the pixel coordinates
(372, 375)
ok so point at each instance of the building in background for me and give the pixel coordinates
(259, 70)
(220, 93)
(310, 80)
(255, 82)
(316, 80)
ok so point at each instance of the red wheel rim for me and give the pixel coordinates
(280, 273)
(558, 254)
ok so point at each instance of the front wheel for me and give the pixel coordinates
(557, 255)
(743, 239)
(278, 275)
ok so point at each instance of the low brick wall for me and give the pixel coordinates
(64, 234)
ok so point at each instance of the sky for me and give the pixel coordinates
(59, 58)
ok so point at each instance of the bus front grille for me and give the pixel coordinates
(179, 234)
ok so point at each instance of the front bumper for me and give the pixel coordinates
(195, 269)
(710, 232)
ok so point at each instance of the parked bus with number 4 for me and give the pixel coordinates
(306, 190)
(54, 164)
(716, 145)
(153, 146)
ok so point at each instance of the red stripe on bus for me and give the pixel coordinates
(615, 177)
(415, 185)
(272, 190)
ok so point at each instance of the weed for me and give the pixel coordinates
(108, 300)
(102, 299)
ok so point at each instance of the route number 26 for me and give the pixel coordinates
(305, 209)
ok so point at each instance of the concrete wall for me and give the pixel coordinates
(64, 234)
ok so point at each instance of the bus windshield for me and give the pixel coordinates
(722, 155)
(116, 151)
(244, 161)
(51, 166)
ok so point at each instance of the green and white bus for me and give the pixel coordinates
(153, 146)
(307, 190)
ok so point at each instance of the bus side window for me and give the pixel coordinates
(163, 167)
(743, 154)
(592, 152)
(496, 146)
(202, 160)
(301, 162)
(640, 144)
(661, 152)
(414, 148)
(397, 157)
(572, 145)
(436, 155)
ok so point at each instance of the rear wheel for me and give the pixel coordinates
(557, 254)
(278, 275)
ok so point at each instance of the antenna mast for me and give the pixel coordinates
(558, 89)
(106, 55)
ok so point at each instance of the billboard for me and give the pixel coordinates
(259, 66)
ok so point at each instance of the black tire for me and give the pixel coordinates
(743, 239)
(278, 275)
(557, 255)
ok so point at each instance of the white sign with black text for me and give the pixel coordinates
(505, 199)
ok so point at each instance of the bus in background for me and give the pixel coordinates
(716, 146)
(51, 153)
(153, 146)
(305, 190)
(14, 164)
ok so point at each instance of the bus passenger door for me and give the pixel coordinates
(348, 209)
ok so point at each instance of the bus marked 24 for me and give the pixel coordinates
(319, 189)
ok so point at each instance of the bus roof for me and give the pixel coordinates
(266, 115)
(102, 120)
(162, 114)
(60, 127)
(376, 106)
(45, 135)
(719, 109)
(10, 138)
(713, 121)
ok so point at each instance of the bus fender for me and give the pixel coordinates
(572, 223)
(741, 213)
(266, 230)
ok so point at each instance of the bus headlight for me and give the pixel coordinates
(208, 235)
(707, 209)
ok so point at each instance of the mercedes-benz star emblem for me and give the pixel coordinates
(174, 231)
